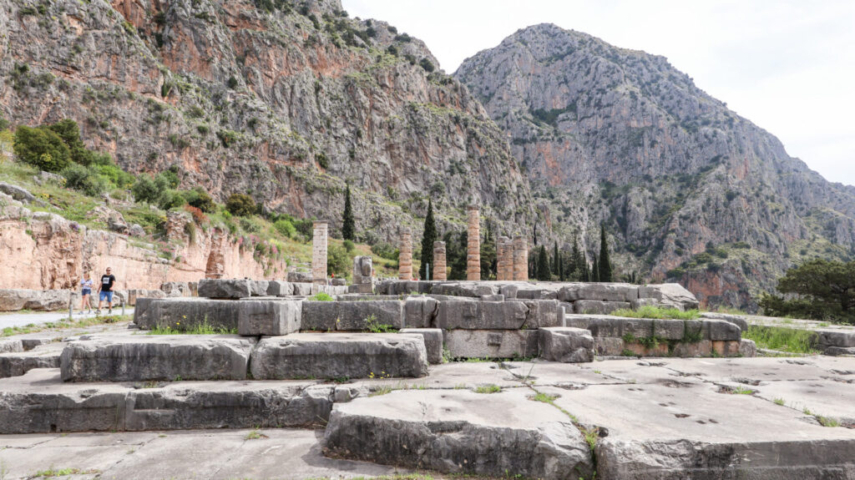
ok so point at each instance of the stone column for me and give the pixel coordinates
(473, 249)
(405, 259)
(319, 252)
(505, 260)
(520, 256)
(438, 268)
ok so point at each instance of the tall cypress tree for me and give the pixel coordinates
(543, 272)
(605, 273)
(555, 258)
(348, 230)
(595, 271)
(573, 265)
(427, 242)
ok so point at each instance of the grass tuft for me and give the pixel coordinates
(790, 340)
(488, 389)
(648, 311)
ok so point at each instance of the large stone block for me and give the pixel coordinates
(604, 292)
(145, 358)
(302, 289)
(278, 288)
(460, 432)
(136, 294)
(216, 288)
(566, 345)
(479, 315)
(669, 329)
(669, 295)
(433, 342)
(185, 313)
(176, 289)
(836, 338)
(598, 307)
(543, 313)
(737, 320)
(299, 277)
(258, 288)
(492, 343)
(720, 330)
(13, 300)
(11, 345)
(352, 316)
(341, 355)
(17, 363)
(258, 317)
(319, 316)
(420, 312)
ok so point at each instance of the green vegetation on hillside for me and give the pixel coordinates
(817, 289)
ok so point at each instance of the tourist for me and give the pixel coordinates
(106, 291)
(86, 293)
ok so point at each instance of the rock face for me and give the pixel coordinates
(287, 101)
(693, 192)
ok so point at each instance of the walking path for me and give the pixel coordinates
(17, 319)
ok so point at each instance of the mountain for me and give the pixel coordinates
(287, 101)
(688, 190)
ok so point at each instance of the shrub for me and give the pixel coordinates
(198, 216)
(171, 177)
(170, 199)
(149, 190)
(42, 148)
(69, 132)
(427, 65)
(322, 161)
(348, 246)
(385, 250)
(241, 205)
(114, 175)
(285, 227)
(227, 137)
(200, 199)
(338, 261)
(84, 179)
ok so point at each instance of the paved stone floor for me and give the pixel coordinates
(758, 405)
(15, 319)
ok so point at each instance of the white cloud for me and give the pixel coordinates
(787, 65)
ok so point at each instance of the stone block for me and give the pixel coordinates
(604, 292)
(478, 315)
(302, 289)
(492, 298)
(338, 282)
(258, 288)
(269, 317)
(420, 312)
(669, 295)
(299, 277)
(185, 313)
(17, 363)
(543, 313)
(566, 345)
(13, 300)
(365, 288)
(737, 320)
(147, 358)
(528, 291)
(360, 316)
(340, 355)
(509, 291)
(11, 345)
(217, 288)
(176, 289)
(433, 342)
(319, 316)
(277, 288)
(669, 329)
(747, 348)
(836, 338)
(597, 307)
(135, 294)
(720, 330)
(492, 343)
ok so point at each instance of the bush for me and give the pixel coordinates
(84, 179)
(227, 137)
(149, 190)
(385, 250)
(41, 148)
(200, 199)
(241, 205)
(170, 199)
(69, 132)
(348, 246)
(338, 261)
(115, 175)
(285, 227)
(171, 177)
(427, 65)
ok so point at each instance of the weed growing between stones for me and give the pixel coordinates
(790, 340)
(204, 328)
(255, 434)
(321, 297)
(63, 472)
(488, 389)
(374, 327)
(381, 391)
(648, 311)
(827, 422)
(779, 401)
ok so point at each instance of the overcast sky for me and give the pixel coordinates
(786, 65)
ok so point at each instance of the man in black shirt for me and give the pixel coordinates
(106, 290)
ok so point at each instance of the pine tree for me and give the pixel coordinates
(543, 272)
(348, 230)
(595, 271)
(427, 242)
(605, 273)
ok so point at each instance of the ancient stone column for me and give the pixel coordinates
(473, 249)
(505, 260)
(439, 272)
(520, 255)
(319, 252)
(405, 259)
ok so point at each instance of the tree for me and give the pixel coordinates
(348, 231)
(69, 132)
(556, 259)
(825, 290)
(42, 148)
(488, 255)
(149, 190)
(543, 272)
(595, 271)
(241, 205)
(456, 245)
(427, 242)
(573, 263)
(605, 264)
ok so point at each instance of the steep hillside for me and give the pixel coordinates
(286, 101)
(689, 190)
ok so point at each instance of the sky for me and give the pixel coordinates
(786, 65)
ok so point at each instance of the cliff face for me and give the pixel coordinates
(689, 190)
(287, 101)
(43, 251)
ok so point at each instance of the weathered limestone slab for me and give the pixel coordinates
(320, 234)
(258, 288)
(39, 402)
(277, 288)
(352, 315)
(11, 345)
(13, 300)
(670, 295)
(433, 342)
(17, 363)
(269, 317)
(176, 289)
(455, 432)
(332, 290)
(156, 357)
(480, 315)
(473, 246)
(721, 330)
(566, 345)
(405, 256)
(135, 294)
(542, 313)
(598, 307)
(747, 348)
(420, 312)
(440, 269)
(299, 277)
(302, 289)
(605, 292)
(184, 313)
(492, 343)
(737, 320)
(219, 288)
(836, 338)
(341, 355)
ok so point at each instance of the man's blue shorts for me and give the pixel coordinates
(106, 296)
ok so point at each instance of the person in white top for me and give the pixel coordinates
(86, 293)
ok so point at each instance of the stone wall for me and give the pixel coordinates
(43, 251)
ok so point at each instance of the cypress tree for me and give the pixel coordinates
(543, 272)
(605, 273)
(348, 231)
(555, 258)
(595, 271)
(573, 264)
(427, 242)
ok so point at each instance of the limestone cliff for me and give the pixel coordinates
(285, 100)
(688, 189)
